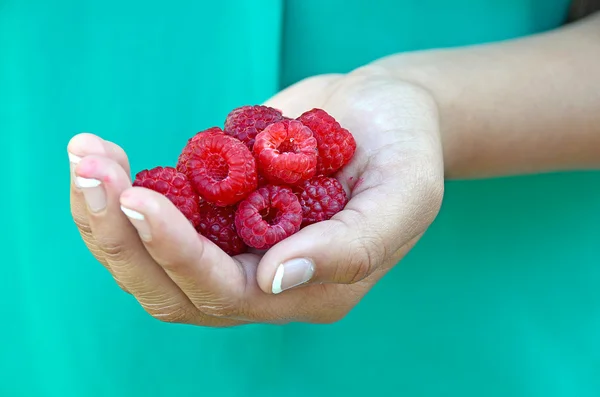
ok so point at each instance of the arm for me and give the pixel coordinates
(520, 106)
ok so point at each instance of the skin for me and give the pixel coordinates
(522, 106)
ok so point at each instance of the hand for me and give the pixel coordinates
(395, 182)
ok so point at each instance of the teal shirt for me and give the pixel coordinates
(500, 298)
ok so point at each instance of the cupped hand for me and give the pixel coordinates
(395, 183)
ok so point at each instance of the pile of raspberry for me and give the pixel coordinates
(258, 180)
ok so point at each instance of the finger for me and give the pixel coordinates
(120, 244)
(79, 147)
(304, 95)
(85, 144)
(399, 193)
(213, 281)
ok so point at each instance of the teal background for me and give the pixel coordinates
(500, 298)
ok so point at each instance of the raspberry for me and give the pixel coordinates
(175, 186)
(321, 198)
(218, 225)
(267, 216)
(286, 152)
(220, 168)
(211, 130)
(336, 144)
(245, 122)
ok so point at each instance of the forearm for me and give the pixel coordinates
(519, 106)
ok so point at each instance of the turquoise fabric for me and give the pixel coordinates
(500, 298)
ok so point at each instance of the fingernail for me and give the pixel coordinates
(292, 273)
(93, 192)
(139, 222)
(73, 161)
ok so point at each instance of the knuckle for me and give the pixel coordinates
(176, 313)
(353, 271)
(96, 252)
(120, 284)
(170, 317)
(83, 226)
(88, 238)
(115, 251)
(372, 251)
(85, 231)
(219, 309)
(366, 252)
(365, 255)
(364, 259)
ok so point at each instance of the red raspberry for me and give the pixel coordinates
(218, 225)
(175, 186)
(211, 130)
(220, 168)
(336, 144)
(267, 216)
(286, 152)
(321, 198)
(245, 122)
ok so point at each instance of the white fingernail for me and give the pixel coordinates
(86, 182)
(132, 214)
(73, 161)
(277, 279)
(292, 273)
(73, 158)
(139, 222)
(93, 192)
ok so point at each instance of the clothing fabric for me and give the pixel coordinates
(500, 298)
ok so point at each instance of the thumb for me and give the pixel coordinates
(363, 237)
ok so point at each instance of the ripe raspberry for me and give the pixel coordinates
(321, 198)
(175, 186)
(218, 225)
(220, 168)
(286, 152)
(211, 130)
(336, 144)
(245, 122)
(267, 216)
